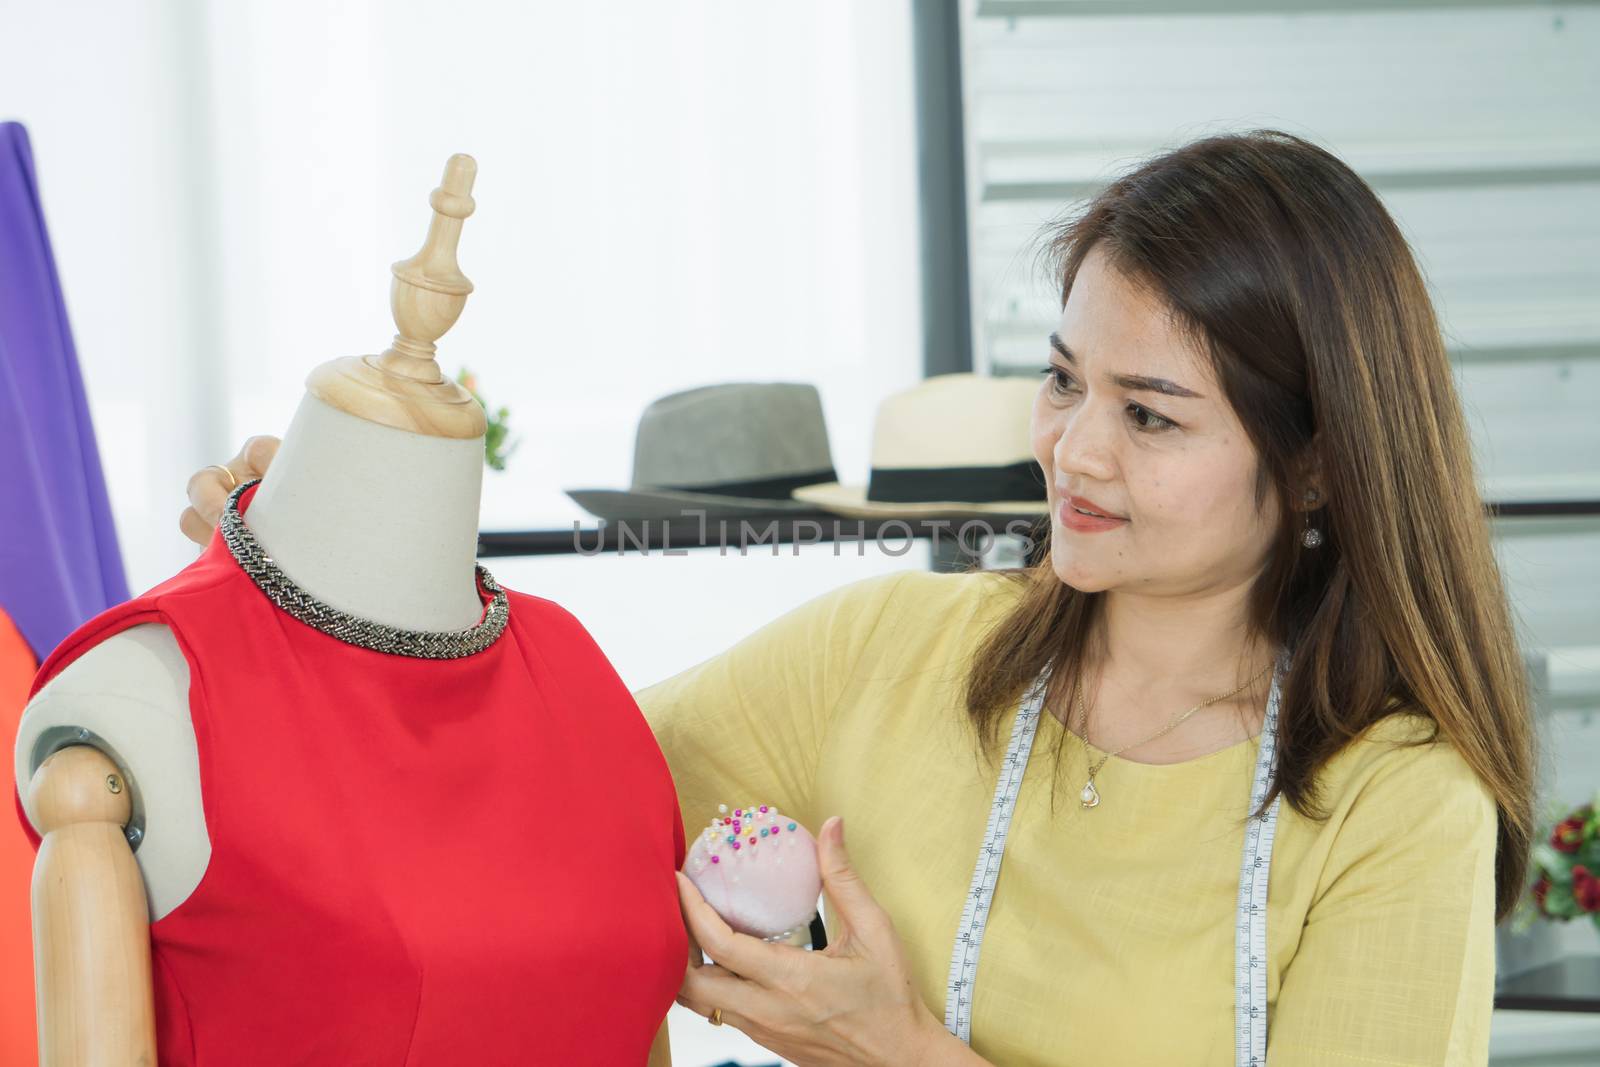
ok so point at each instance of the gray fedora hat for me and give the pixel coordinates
(726, 450)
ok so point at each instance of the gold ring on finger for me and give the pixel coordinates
(715, 1018)
(232, 481)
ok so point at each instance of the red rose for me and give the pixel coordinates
(1585, 888)
(1541, 889)
(1567, 835)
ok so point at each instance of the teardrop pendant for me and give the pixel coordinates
(1089, 796)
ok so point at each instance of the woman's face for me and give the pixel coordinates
(1133, 424)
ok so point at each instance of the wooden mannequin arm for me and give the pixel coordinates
(660, 1050)
(91, 923)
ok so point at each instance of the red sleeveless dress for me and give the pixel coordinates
(414, 861)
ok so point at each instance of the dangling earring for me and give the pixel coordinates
(1312, 537)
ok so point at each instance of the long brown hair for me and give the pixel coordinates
(1284, 267)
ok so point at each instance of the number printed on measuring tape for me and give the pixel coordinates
(1250, 932)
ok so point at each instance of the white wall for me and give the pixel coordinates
(103, 91)
(667, 197)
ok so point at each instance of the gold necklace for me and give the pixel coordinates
(1090, 796)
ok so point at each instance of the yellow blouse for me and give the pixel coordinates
(1110, 939)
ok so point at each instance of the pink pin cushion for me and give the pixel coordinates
(758, 868)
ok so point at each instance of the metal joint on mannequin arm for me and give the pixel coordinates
(91, 922)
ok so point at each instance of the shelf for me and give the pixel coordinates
(1062, 170)
(1018, 346)
(1529, 353)
(820, 527)
(1382, 181)
(1572, 984)
(1573, 678)
(1011, 9)
(765, 532)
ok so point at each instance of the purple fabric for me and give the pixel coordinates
(59, 562)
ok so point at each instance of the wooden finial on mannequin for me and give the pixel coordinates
(403, 387)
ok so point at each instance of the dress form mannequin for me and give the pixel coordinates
(131, 691)
(380, 435)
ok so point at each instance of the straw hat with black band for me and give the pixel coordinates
(954, 444)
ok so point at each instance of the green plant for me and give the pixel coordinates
(496, 447)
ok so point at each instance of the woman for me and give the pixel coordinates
(1267, 554)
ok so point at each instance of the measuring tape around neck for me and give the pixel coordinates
(1250, 930)
(975, 912)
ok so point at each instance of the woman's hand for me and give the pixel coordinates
(852, 1003)
(208, 490)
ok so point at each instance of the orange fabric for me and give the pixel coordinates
(18, 1041)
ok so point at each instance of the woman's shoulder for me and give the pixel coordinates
(1400, 729)
(912, 602)
(921, 590)
(919, 595)
(1401, 760)
(1407, 819)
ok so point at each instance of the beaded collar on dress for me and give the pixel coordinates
(352, 629)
